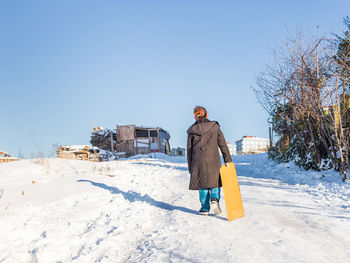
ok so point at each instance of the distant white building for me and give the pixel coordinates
(232, 148)
(178, 151)
(252, 144)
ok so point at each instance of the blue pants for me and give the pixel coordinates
(207, 194)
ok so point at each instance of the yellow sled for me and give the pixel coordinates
(232, 194)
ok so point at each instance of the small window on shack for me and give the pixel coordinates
(153, 134)
(142, 133)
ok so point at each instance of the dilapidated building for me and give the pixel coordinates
(139, 140)
(132, 140)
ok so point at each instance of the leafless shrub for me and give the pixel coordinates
(307, 96)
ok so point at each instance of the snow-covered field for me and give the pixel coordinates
(141, 210)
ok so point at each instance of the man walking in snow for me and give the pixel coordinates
(204, 139)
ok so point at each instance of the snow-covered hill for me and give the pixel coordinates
(141, 210)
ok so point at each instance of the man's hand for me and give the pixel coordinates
(227, 164)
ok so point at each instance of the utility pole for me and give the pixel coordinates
(112, 142)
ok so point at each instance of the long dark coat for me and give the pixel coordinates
(204, 140)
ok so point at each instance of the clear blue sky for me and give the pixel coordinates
(68, 65)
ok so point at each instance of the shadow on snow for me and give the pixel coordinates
(167, 166)
(132, 197)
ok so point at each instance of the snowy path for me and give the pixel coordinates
(141, 211)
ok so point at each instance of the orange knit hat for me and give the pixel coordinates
(200, 111)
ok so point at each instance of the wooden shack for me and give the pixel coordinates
(5, 157)
(134, 140)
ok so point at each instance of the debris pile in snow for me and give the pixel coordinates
(78, 152)
(102, 138)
